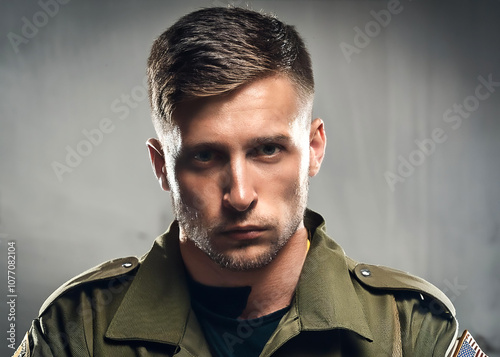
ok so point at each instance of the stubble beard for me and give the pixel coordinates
(193, 228)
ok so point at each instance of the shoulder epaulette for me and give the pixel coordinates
(384, 278)
(110, 269)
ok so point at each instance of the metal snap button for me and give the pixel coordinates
(365, 272)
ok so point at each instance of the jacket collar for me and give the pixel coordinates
(157, 305)
(326, 298)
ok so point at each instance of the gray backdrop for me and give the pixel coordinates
(411, 177)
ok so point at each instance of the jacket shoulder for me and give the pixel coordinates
(381, 278)
(108, 270)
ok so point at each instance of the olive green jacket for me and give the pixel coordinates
(130, 307)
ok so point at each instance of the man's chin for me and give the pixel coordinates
(242, 262)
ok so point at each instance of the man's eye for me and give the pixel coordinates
(268, 150)
(204, 156)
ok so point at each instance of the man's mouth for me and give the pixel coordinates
(244, 232)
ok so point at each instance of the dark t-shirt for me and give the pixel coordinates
(218, 310)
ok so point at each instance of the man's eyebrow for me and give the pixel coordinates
(204, 145)
(271, 139)
(216, 145)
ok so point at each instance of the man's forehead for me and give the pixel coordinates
(274, 94)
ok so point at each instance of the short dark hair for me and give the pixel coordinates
(215, 50)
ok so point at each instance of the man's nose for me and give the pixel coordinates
(239, 190)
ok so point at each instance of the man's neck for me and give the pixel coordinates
(273, 285)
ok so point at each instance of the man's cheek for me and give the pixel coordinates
(290, 180)
(196, 197)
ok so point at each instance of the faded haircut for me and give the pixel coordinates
(215, 50)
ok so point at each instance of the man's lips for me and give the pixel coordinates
(244, 232)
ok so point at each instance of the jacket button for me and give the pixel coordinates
(365, 272)
(127, 265)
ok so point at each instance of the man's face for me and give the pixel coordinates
(237, 167)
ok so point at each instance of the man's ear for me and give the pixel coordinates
(157, 159)
(317, 145)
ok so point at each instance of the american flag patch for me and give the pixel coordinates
(467, 347)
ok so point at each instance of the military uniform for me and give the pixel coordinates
(141, 307)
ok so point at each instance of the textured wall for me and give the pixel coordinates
(411, 177)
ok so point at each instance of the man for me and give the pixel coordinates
(246, 269)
